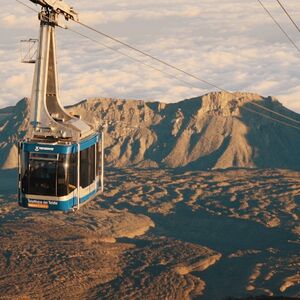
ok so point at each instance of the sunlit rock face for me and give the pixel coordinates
(216, 131)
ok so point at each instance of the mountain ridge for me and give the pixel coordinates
(213, 131)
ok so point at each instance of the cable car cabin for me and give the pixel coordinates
(59, 165)
(60, 175)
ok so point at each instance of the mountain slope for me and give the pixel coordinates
(13, 126)
(212, 131)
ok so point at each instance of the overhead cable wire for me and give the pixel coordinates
(28, 6)
(269, 117)
(288, 14)
(145, 54)
(180, 70)
(278, 25)
(174, 67)
(274, 112)
(134, 59)
(122, 53)
(159, 70)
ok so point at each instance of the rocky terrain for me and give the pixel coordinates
(214, 131)
(201, 201)
(158, 234)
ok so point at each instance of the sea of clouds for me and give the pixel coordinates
(231, 43)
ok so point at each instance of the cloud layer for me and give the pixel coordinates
(232, 44)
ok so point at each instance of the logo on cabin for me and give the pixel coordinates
(38, 148)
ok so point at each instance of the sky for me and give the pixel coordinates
(231, 43)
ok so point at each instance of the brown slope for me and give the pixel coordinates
(212, 131)
(13, 126)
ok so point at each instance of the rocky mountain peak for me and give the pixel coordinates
(216, 130)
